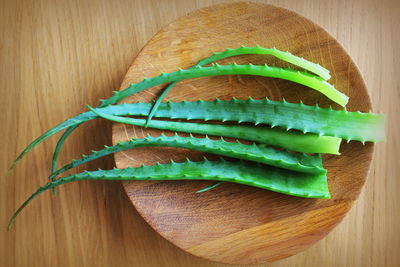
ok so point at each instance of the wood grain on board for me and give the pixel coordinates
(57, 56)
(235, 223)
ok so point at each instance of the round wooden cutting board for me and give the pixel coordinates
(235, 223)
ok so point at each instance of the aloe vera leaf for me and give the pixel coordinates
(363, 127)
(257, 111)
(209, 187)
(285, 56)
(57, 150)
(255, 152)
(304, 78)
(68, 123)
(72, 122)
(290, 140)
(252, 174)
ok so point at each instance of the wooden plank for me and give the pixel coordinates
(56, 56)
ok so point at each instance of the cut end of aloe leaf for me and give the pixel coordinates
(335, 95)
(327, 196)
(334, 143)
(343, 101)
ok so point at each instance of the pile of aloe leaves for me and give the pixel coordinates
(287, 138)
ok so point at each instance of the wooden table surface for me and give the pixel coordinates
(57, 56)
